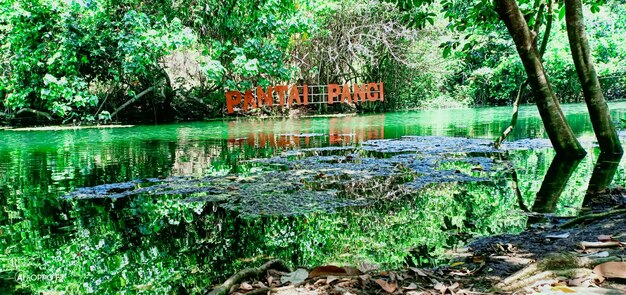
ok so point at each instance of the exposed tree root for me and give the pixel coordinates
(593, 216)
(568, 266)
(527, 281)
(249, 274)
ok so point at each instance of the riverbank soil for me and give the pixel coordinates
(583, 255)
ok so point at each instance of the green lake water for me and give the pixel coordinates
(183, 242)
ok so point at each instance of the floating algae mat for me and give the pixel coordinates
(323, 179)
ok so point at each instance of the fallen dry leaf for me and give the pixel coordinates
(260, 285)
(366, 267)
(564, 289)
(296, 277)
(441, 288)
(245, 286)
(418, 272)
(611, 270)
(330, 279)
(388, 287)
(327, 270)
(605, 238)
(478, 259)
(351, 271)
(457, 263)
(453, 286)
(411, 286)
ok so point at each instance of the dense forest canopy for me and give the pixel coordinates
(81, 61)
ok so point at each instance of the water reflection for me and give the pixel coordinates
(601, 178)
(284, 134)
(172, 244)
(554, 182)
(557, 177)
(560, 171)
(603, 173)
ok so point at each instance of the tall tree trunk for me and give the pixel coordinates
(560, 133)
(598, 109)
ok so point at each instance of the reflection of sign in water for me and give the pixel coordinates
(296, 133)
(304, 95)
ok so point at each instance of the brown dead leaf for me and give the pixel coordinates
(441, 288)
(418, 271)
(330, 279)
(611, 270)
(400, 277)
(260, 285)
(347, 283)
(351, 271)
(245, 286)
(327, 270)
(389, 287)
(411, 286)
(579, 282)
(564, 289)
(605, 238)
(366, 267)
(478, 259)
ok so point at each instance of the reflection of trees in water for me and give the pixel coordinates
(558, 176)
(176, 244)
(602, 176)
(554, 182)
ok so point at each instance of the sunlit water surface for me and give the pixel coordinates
(160, 243)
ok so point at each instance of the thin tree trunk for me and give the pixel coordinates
(544, 45)
(598, 109)
(560, 133)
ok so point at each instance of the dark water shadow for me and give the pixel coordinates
(598, 193)
(557, 176)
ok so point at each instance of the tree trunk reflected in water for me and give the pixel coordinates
(560, 171)
(601, 178)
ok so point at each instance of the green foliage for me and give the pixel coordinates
(80, 61)
(57, 53)
(491, 72)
